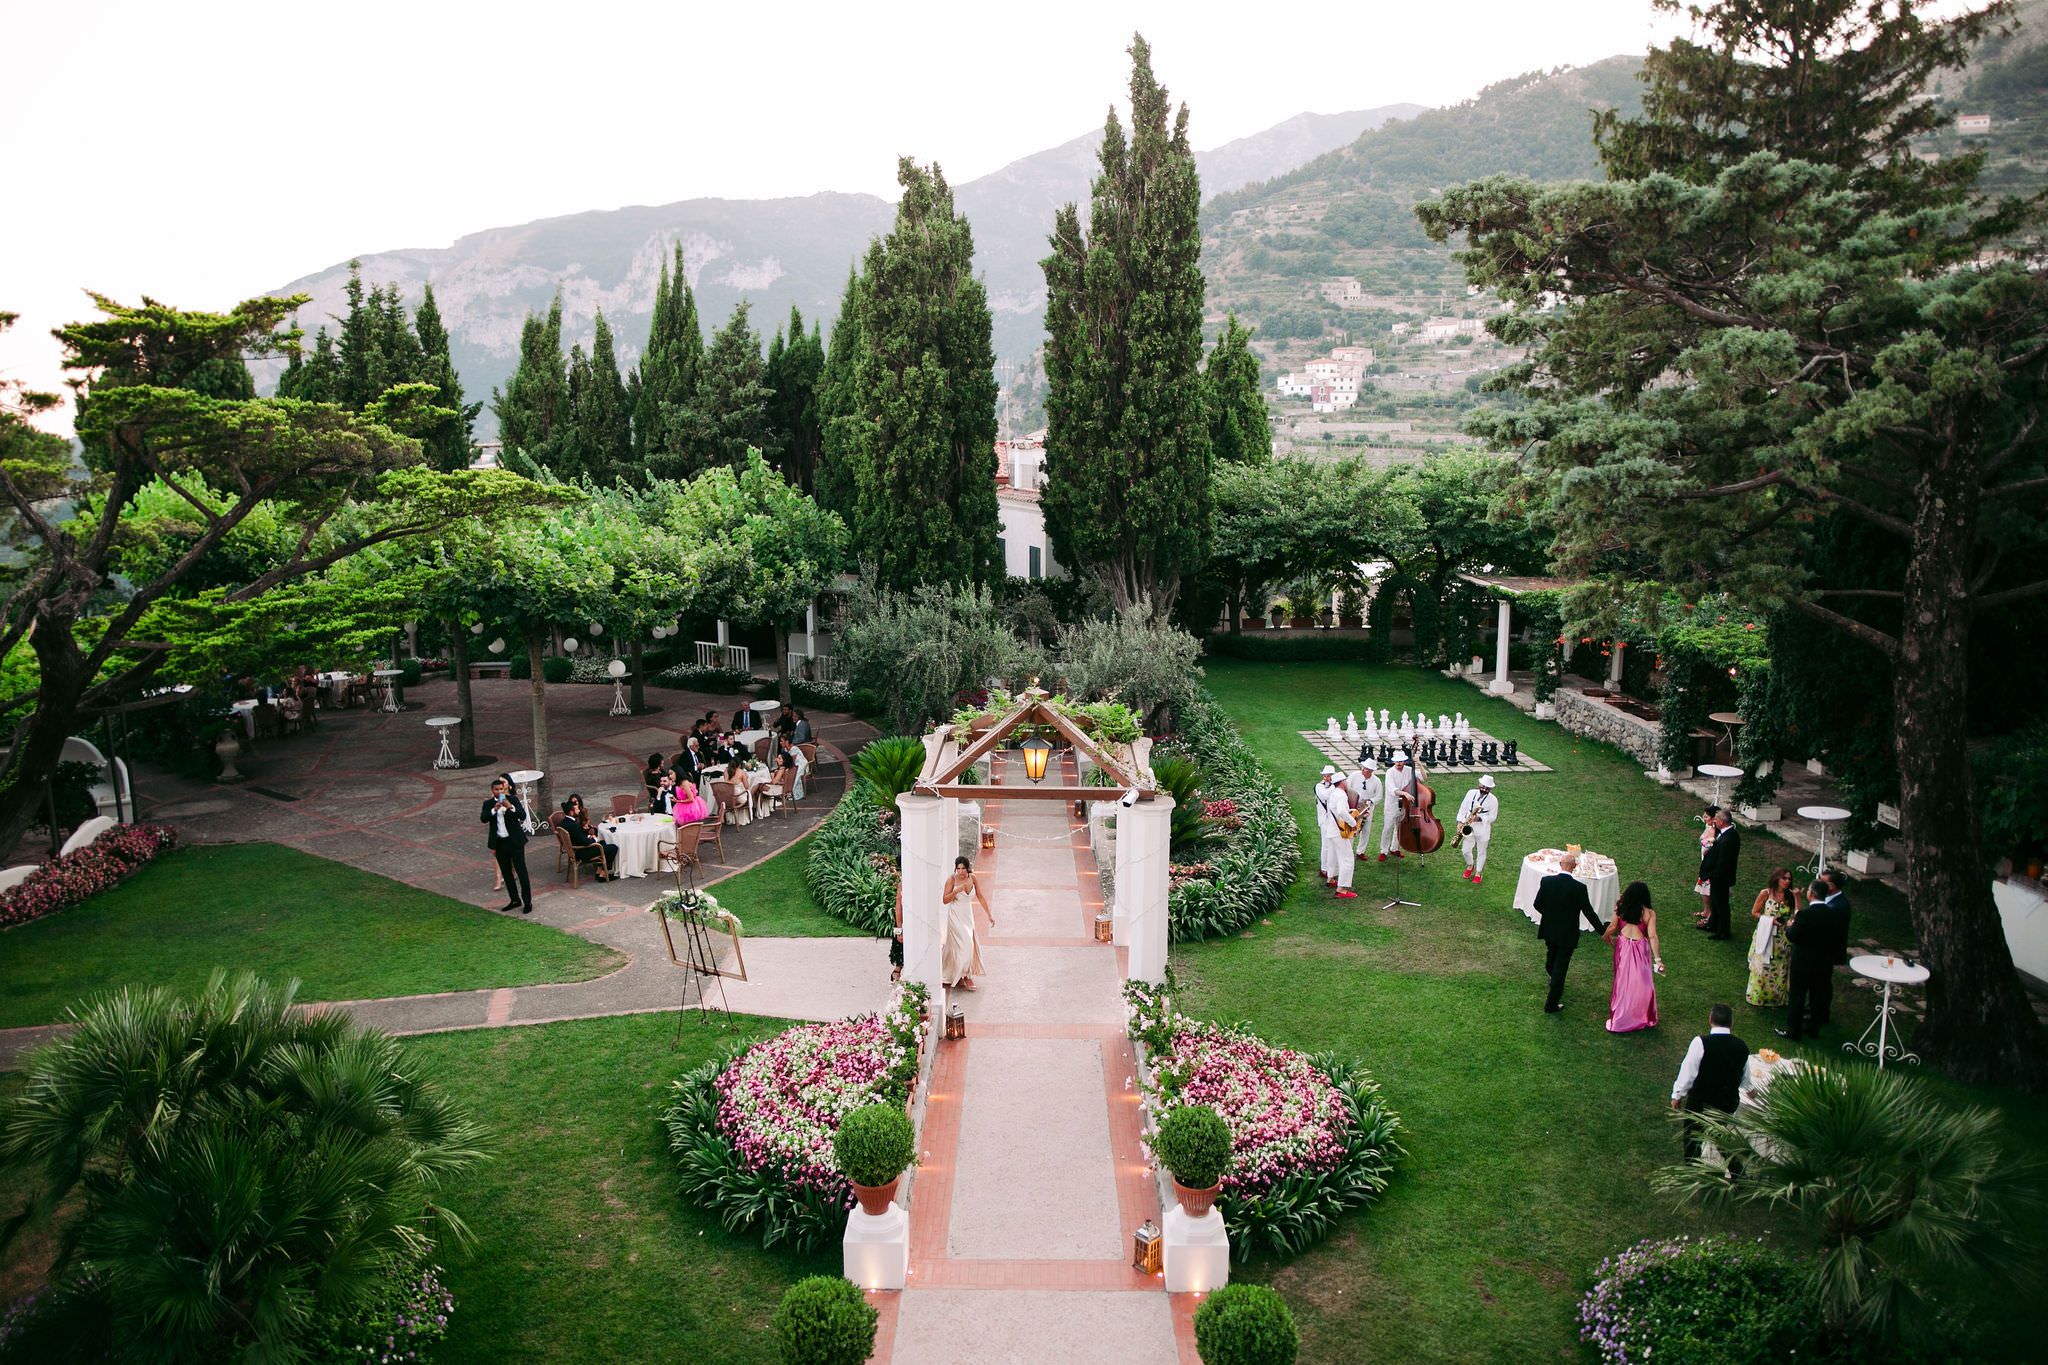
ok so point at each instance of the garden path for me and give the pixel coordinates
(1032, 1180)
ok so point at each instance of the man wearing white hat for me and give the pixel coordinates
(1366, 795)
(1400, 790)
(1333, 820)
(1475, 826)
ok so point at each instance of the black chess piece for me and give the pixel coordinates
(1508, 752)
(1429, 753)
(1466, 749)
(1386, 755)
(1449, 753)
(1489, 753)
(1364, 752)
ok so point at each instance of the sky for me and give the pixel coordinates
(208, 151)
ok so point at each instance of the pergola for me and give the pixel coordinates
(930, 813)
(1507, 588)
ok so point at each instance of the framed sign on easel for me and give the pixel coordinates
(703, 939)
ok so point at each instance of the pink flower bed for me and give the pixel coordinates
(104, 863)
(1285, 1116)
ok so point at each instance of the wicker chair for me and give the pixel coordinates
(710, 830)
(555, 825)
(679, 857)
(774, 793)
(727, 797)
(624, 805)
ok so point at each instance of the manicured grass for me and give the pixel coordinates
(587, 1253)
(1532, 1138)
(345, 934)
(772, 900)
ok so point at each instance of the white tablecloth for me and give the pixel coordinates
(334, 687)
(246, 709)
(639, 839)
(753, 780)
(1602, 879)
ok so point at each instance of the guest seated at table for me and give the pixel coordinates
(785, 724)
(651, 775)
(789, 767)
(686, 805)
(801, 732)
(747, 718)
(583, 838)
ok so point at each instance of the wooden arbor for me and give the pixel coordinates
(947, 760)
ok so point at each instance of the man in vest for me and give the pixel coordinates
(1713, 1076)
(1475, 826)
(1333, 814)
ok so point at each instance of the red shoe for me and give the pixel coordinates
(1476, 879)
(1347, 895)
(1383, 857)
(1467, 874)
(1399, 854)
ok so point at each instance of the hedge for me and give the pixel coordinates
(1254, 863)
(853, 865)
(1319, 647)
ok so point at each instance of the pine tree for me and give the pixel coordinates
(531, 407)
(726, 414)
(796, 363)
(666, 378)
(356, 348)
(1238, 431)
(315, 378)
(450, 444)
(604, 423)
(1127, 424)
(839, 414)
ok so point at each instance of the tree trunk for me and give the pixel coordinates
(1237, 609)
(1980, 1027)
(535, 640)
(639, 693)
(24, 784)
(781, 661)
(458, 666)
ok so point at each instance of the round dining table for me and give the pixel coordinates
(1596, 870)
(639, 837)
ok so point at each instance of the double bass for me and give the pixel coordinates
(1418, 830)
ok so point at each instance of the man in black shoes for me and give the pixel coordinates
(1561, 902)
(1717, 870)
(1712, 1075)
(505, 817)
(1819, 935)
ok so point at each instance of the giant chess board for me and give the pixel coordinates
(1442, 752)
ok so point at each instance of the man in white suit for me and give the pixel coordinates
(1476, 813)
(1400, 790)
(1333, 814)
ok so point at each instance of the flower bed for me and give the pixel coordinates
(104, 863)
(1310, 1138)
(1706, 1302)
(752, 1131)
(1254, 860)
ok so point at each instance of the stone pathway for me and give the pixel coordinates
(1031, 1180)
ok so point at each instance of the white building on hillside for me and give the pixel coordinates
(1444, 329)
(1020, 475)
(1295, 386)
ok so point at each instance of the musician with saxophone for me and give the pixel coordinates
(1366, 795)
(1336, 825)
(1475, 827)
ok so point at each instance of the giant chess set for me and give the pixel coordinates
(1444, 745)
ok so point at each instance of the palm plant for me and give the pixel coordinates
(1892, 1184)
(1191, 828)
(237, 1167)
(888, 767)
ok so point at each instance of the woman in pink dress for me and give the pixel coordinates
(1633, 931)
(688, 804)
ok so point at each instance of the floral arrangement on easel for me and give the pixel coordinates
(701, 906)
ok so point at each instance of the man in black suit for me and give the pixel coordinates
(585, 846)
(1819, 935)
(1717, 870)
(1713, 1074)
(505, 816)
(1561, 902)
(747, 718)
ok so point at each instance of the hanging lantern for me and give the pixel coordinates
(956, 1022)
(569, 644)
(1036, 752)
(661, 632)
(477, 629)
(617, 668)
(498, 645)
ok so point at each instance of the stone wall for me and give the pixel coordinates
(1595, 719)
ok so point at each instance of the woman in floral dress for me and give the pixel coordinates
(1770, 955)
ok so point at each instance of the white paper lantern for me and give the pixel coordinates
(569, 644)
(661, 632)
(498, 645)
(617, 668)
(477, 629)
(596, 628)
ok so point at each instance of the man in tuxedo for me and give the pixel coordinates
(505, 817)
(1561, 902)
(1717, 870)
(585, 846)
(1819, 935)
(747, 718)
(1713, 1075)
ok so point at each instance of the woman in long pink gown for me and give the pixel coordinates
(1633, 931)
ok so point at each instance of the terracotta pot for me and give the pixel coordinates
(874, 1199)
(1195, 1202)
(1254, 623)
(1302, 623)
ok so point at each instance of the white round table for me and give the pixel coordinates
(639, 838)
(1890, 971)
(246, 709)
(1823, 816)
(524, 778)
(1596, 870)
(334, 687)
(1717, 771)
(446, 726)
(389, 677)
(768, 708)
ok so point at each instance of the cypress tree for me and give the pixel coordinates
(727, 411)
(356, 349)
(796, 362)
(923, 450)
(315, 378)
(531, 407)
(1237, 413)
(839, 415)
(451, 444)
(666, 378)
(604, 423)
(1127, 424)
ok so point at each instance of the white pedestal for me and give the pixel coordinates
(970, 829)
(1197, 1252)
(1143, 833)
(1663, 776)
(875, 1253)
(1501, 686)
(1761, 815)
(1544, 710)
(1816, 767)
(1869, 864)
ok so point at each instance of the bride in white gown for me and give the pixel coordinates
(962, 954)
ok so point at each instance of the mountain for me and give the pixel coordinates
(774, 253)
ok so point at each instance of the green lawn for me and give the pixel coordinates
(772, 900)
(345, 934)
(1532, 1138)
(587, 1252)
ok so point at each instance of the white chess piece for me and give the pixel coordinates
(1443, 723)
(1332, 731)
(1372, 726)
(1464, 727)
(1383, 719)
(1351, 726)
(1407, 725)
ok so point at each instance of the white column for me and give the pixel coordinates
(724, 633)
(810, 630)
(1143, 838)
(1500, 683)
(928, 849)
(1124, 898)
(1614, 666)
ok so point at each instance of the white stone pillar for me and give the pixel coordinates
(874, 1252)
(1143, 842)
(724, 633)
(1614, 665)
(929, 844)
(811, 630)
(1197, 1253)
(1123, 899)
(1500, 683)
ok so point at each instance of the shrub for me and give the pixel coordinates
(1717, 1301)
(557, 669)
(916, 651)
(1179, 778)
(690, 675)
(522, 667)
(887, 767)
(852, 868)
(1254, 862)
(824, 1320)
(874, 1145)
(1289, 648)
(67, 881)
(409, 673)
(1131, 657)
(1194, 1143)
(402, 1323)
(1245, 1324)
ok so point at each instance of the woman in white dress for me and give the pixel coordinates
(962, 954)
